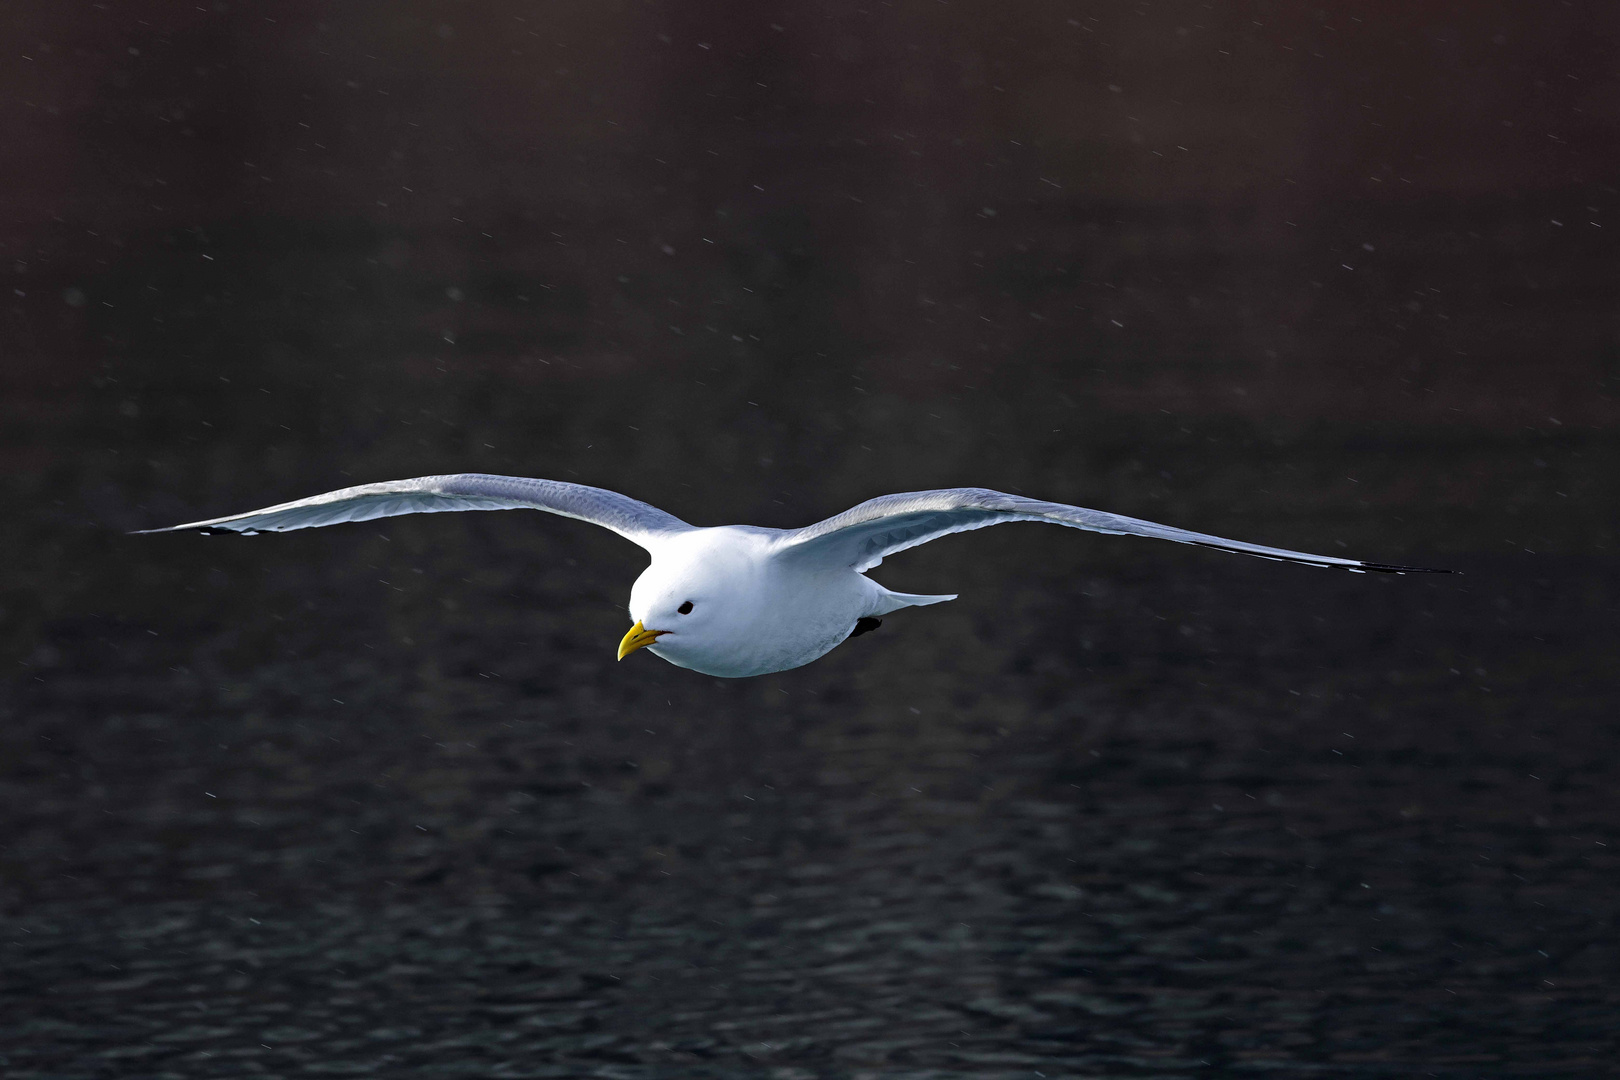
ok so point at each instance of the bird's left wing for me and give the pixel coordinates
(861, 536)
(634, 520)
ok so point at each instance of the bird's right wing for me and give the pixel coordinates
(634, 520)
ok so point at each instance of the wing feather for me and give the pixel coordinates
(863, 535)
(634, 520)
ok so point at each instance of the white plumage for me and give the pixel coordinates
(740, 600)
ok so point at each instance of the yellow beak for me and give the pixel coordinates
(639, 637)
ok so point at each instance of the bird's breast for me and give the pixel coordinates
(796, 618)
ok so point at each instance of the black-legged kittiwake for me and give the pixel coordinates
(740, 600)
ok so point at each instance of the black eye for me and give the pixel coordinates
(685, 608)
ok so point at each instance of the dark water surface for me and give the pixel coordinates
(376, 800)
(1189, 822)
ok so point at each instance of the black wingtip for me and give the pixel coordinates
(1391, 568)
(202, 530)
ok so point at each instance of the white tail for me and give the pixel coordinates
(894, 601)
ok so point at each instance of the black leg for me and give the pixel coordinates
(865, 626)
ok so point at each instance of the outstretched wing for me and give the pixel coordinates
(631, 519)
(861, 536)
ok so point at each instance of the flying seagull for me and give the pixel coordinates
(740, 600)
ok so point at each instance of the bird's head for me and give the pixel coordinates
(695, 602)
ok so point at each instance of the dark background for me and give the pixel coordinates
(376, 800)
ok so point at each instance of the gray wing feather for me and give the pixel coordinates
(631, 519)
(862, 535)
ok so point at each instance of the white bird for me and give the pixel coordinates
(740, 600)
